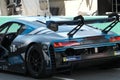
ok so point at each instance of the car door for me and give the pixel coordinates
(8, 32)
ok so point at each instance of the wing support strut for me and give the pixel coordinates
(110, 26)
(80, 24)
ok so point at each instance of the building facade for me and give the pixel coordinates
(58, 7)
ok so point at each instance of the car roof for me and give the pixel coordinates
(33, 20)
(36, 21)
(45, 19)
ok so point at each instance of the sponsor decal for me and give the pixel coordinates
(45, 53)
(71, 58)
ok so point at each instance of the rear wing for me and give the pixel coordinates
(79, 21)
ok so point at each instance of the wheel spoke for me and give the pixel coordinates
(35, 60)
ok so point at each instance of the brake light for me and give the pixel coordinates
(114, 39)
(62, 44)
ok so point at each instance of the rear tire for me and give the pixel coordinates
(35, 63)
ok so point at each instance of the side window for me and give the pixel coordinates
(4, 30)
(13, 28)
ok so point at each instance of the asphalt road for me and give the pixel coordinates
(85, 74)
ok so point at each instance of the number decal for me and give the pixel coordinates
(13, 48)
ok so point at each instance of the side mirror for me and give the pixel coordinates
(53, 26)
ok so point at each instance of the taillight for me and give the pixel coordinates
(62, 44)
(114, 39)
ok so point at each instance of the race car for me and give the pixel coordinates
(42, 46)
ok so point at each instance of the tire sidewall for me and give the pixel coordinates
(41, 72)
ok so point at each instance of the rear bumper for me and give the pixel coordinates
(93, 54)
(91, 62)
(106, 56)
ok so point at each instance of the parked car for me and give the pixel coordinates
(42, 46)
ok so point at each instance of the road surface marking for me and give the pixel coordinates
(62, 78)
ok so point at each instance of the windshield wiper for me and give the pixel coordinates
(109, 27)
(80, 24)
